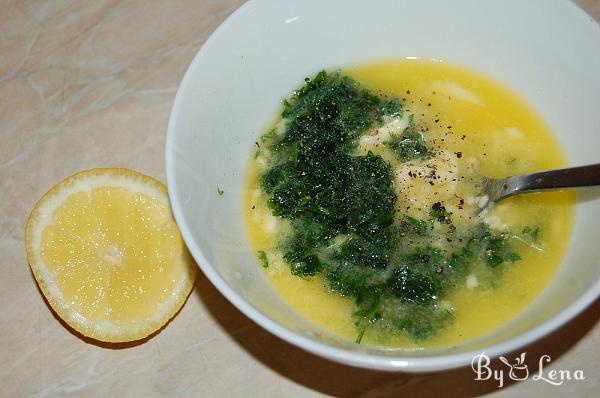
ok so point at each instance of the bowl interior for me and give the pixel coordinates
(547, 52)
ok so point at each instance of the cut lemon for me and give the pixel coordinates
(107, 254)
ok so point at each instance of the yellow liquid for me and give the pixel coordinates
(497, 134)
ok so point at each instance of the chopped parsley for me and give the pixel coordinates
(262, 256)
(532, 232)
(344, 223)
(410, 146)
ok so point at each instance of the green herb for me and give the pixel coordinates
(262, 256)
(327, 114)
(532, 232)
(459, 261)
(409, 146)
(303, 264)
(410, 226)
(384, 262)
(220, 191)
(418, 321)
(494, 247)
(269, 136)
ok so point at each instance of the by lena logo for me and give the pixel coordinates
(518, 370)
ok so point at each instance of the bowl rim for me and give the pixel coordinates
(411, 364)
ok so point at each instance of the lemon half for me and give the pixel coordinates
(107, 254)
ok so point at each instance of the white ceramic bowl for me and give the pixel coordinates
(548, 51)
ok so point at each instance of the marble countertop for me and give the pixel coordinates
(90, 83)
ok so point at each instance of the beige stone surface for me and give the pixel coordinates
(90, 83)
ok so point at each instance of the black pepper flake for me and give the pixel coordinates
(408, 92)
(463, 137)
(429, 104)
(459, 155)
(425, 258)
(436, 120)
(448, 127)
(253, 207)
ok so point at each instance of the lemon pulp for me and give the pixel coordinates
(108, 255)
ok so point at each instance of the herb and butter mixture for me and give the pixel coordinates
(364, 198)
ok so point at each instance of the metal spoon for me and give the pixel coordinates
(495, 190)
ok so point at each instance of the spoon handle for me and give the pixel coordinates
(583, 176)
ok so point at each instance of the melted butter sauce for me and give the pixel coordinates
(477, 127)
